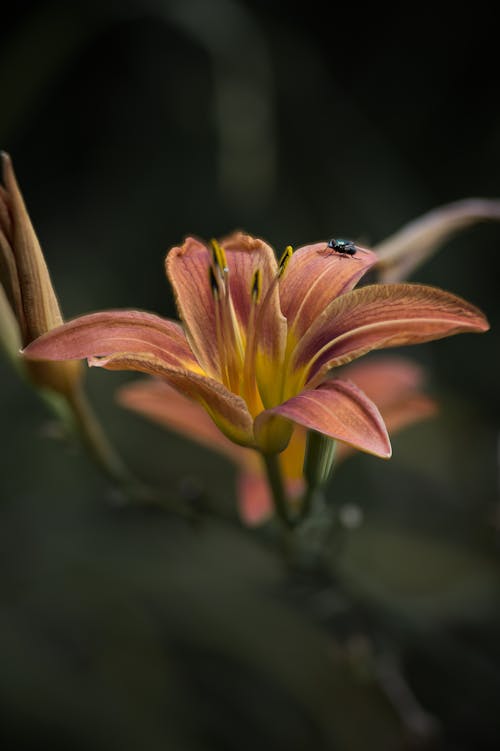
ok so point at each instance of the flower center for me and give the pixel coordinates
(239, 337)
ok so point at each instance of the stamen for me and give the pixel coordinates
(285, 258)
(219, 334)
(256, 285)
(214, 284)
(229, 341)
(249, 384)
(219, 257)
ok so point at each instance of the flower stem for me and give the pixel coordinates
(275, 480)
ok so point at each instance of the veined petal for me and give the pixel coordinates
(379, 316)
(338, 409)
(260, 318)
(164, 405)
(393, 384)
(401, 253)
(316, 275)
(113, 332)
(385, 379)
(245, 255)
(228, 411)
(188, 271)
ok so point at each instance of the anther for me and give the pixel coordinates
(256, 285)
(214, 284)
(219, 256)
(285, 258)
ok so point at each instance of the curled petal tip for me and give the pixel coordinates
(7, 168)
(484, 324)
(96, 362)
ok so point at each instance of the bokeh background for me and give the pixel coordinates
(131, 125)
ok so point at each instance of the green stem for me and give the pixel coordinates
(275, 480)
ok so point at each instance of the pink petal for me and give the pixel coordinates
(339, 410)
(188, 271)
(161, 403)
(379, 316)
(245, 255)
(255, 502)
(385, 379)
(131, 340)
(227, 410)
(393, 383)
(113, 332)
(254, 497)
(315, 276)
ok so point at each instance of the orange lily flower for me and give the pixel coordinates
(393, 383)
(260, 338)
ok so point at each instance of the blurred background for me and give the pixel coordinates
(131, 125)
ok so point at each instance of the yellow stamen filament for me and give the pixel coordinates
(229, 339)
(257, 319)
(249, 387)
(214, 285)
(219, 257)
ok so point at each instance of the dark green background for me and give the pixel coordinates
(132, 124)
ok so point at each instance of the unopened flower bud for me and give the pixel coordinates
(27, 288)
(318, 460)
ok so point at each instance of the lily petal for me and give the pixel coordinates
(228, 411)
(162, 404)
(116, 331)
(255, 502)
(338, 409)
(245, 255)
(385, 378)
(379, 316)
(393, 383)
(132, 340)
(188, 270)
(314, 276)
(401, 253)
